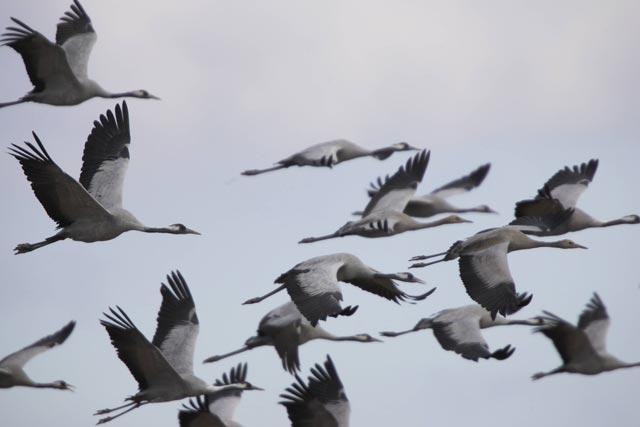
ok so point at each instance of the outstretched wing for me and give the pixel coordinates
(223, 403)
(178, 324)
(21, 357)
(464, 184)
(76, 36)
(196, 414)
(321, 403)
(488, 281)
(46, 62)
(314, 289)
(61, 196)
(568, 184)
(462, 336)
(571, 343)
(594, 321)
(106, 157)
(395, 192)
(145, 361)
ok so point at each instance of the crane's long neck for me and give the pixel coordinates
(629, 219)
(382, 153)
(421, 225)
(157, 230)
(43, 385)
(500, 321)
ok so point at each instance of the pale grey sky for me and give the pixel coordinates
(528, 86)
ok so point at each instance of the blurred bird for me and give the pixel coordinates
(285, 328)
(384, 215)
(320, 403)
(313, 285)
(555, 203)
(216, 409)
(458, 329)
(583, 349)
(330, 153)
(12, 373)
(90, 210)
(436, 202)
(58, 71)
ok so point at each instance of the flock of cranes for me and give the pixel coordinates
(90, 210)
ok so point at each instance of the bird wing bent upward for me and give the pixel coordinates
(106, 157)
(568, 184)
(46, 62)
(464, 184)
(594, 321)
(76, 36)
(196, 414)
(21, 357)
(145, 361)
(395, 192)
(178, 324)
(321, 403)
(61, 196)
(572, 343)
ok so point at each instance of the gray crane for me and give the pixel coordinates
(384, 215)
(12, 373)
(285, 328)
(163, 367)
(555, 203)
(435, 203)
(583, 348)
(322, 402)
(89, 210)
(216, 409)
(459, 329)
(330, 153)
(313, 285)
(58, 71)
(484, 268)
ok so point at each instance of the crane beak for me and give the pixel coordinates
(417, 280)
(71, 387)
(190, 231)
(255, 388)
(154, 97)
(581, 247)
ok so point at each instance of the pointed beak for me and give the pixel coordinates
(154, 97)
(255, 388)
(190, 231)
(581, 247)
(417, 280)
(466, 220)
(71, 387)
(492, 211)
(375, 340)
(412, 148)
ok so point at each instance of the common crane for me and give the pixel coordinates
(89, 210)
(330, 153)
(556, 201)
(285, 328)
(484, 268)
(12, 373)
(384, 215)
(58, 71)
(216, 409)
(436, 202)
(583, 349)
(458, 329)
(313, 285)
(320, 403)
(163, 367)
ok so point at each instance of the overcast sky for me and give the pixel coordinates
(527, 86)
